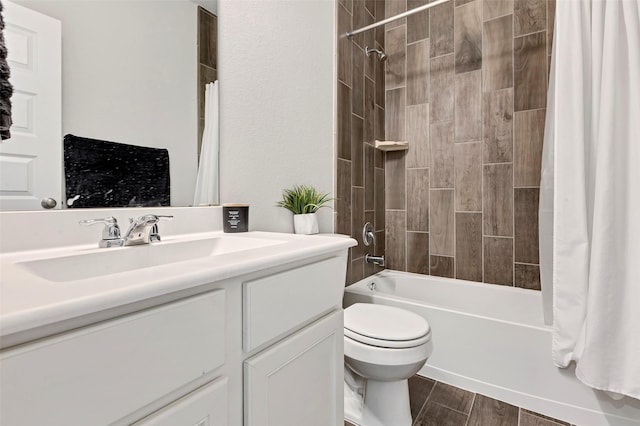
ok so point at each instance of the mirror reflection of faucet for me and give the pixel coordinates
(142, 230)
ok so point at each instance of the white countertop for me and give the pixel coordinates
(29, 301)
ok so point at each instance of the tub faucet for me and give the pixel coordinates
(143, 230)
(376, 260)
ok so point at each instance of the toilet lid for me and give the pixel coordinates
(385, 326)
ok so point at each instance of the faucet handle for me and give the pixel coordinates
(144, 229)
(154, 236)
(149, 218)
(110, 232)
(368, 234)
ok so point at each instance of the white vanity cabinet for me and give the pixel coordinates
(263, 348)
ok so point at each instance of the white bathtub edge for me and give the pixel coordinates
(576, 415)
(365, 293)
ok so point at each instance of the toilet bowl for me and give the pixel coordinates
(383, 347)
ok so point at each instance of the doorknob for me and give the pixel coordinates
(48, 203)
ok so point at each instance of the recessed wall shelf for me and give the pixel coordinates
(392, 145)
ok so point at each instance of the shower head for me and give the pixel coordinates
(381, 55)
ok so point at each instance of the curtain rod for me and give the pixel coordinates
(395, 18)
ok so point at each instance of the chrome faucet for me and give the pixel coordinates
(110, 232)
(368, 238)
(376, 260)
(143, 230)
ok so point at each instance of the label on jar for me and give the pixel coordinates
(236, 218)
(233, 218)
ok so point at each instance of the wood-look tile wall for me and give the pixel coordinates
(360, 188)
(466, 86)
(207, 61)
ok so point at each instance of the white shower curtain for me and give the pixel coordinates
(590, 193)
(207, 188)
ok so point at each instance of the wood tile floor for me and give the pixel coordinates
(438, 404)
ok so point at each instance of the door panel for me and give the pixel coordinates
(31, 161)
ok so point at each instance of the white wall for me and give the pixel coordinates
(129, 72)
(277, 84)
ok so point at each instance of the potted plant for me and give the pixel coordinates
(304, 201)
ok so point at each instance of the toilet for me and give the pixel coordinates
(383, 347)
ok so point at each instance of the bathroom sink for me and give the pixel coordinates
(95, 263)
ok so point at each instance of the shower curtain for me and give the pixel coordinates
(590, 193)
(207, 180)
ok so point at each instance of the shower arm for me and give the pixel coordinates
(396, 17)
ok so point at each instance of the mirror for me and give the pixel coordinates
(134, 73)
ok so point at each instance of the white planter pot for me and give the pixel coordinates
(306, 224)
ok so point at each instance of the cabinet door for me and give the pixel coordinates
(299, 380)
(206, 406)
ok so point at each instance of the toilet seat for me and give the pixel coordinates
(385, 326)
(391, 344)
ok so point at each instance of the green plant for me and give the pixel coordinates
(303, 199)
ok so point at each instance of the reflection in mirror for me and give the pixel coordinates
(133, 73)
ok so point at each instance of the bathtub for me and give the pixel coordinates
(492, 340)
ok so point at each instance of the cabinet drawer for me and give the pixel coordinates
(281, 302)
(206, 406)
(101, 373)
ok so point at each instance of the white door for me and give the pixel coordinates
(31, 161)
(298, 381)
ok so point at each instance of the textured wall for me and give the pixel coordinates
(361, 99)
(466, 85)
(277, 81)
